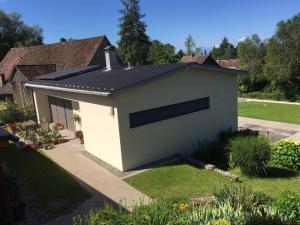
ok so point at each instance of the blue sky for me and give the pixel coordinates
(208, 21)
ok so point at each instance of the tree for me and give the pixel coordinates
(283, 58)
(160, 53)
(66, 40)
(197, 51)
(179, 55)
(190, 45)
(226, 50)
(134, 42)
(251, 55)
(15, 33)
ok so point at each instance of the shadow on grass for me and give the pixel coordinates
(48, 181)
(277, 172)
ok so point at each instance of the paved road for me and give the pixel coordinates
(277, 130)
(105, 187)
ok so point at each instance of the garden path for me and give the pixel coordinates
(105, 187)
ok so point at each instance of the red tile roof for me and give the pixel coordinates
(63, 54)
(201, 59)
(229, 63)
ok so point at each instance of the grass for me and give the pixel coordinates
(44, 179)
(270, 111)
(183, 181)
(179, 181)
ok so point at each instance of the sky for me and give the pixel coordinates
(169, 21)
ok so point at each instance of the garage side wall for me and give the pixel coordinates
(151, 142)
(100, 128)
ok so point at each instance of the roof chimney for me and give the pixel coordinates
(110, 58)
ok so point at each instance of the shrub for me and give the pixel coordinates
(286, 154)
(11, 113)
(209, 213)
(287, 206)
(240, 195)
(216, 152)
(272, 95)
(251, 154)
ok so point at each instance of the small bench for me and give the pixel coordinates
(5, 137)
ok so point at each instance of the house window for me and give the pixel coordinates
(167, 112)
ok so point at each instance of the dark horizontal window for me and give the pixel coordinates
(167, 112)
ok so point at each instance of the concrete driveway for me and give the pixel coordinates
(277, 130)
(104, 186)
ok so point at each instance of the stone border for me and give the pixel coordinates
(211, 167)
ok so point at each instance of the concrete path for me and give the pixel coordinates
(266, 101)
(278, 130)
(104, 186)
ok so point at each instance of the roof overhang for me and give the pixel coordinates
(99, 93)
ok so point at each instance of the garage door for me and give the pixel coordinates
(62, 112)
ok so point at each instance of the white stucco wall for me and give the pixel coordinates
(100, 129)
(154, 141)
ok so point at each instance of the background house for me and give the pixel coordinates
(24, 64)
(133, 116)
(229, 63)
(201, 59)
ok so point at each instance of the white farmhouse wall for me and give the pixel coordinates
(100, 129)
(154, 141)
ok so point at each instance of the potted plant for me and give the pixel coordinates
(45, 138)
(80, 136)
(55, 135)
(77, 120)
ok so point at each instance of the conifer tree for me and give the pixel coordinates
(134, 43)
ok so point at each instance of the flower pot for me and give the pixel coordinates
(11, 128)
(46, 146)
(82, 141)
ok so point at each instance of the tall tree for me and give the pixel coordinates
(283, 58)
(197, 51)
(15, 33)
(226, 50)
(160, 53)
(251, 55)
(134, 42)
(189, 45)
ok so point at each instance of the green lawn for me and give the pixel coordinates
(270, 111)
(183, 181)
(177, 181)
(45, 180)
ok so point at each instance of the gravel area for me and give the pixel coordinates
(123, 175)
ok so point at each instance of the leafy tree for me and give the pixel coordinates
(251, 55)
(134, 42)
(66, 40)
(160, 53)
(226, 50)
(15, 33)
(190, 45)
(283, 58)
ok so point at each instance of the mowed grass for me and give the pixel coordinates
(183, 181)
(270, 111)
(44, 179)
(179, 181)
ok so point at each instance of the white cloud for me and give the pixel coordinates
(217, 45)
(242, 39)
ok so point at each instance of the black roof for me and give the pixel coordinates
(102, 82)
